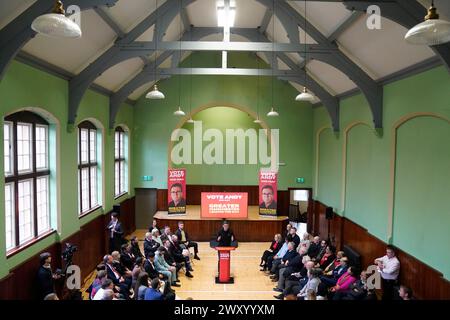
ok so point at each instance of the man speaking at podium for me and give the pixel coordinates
(225, 237)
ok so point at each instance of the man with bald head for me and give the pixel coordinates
(297, 281)
(314, 248)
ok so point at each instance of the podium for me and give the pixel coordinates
(224, 264)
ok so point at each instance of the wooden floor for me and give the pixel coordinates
(249, 282)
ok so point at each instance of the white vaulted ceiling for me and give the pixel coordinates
(378, 52)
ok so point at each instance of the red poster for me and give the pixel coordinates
(176, 185)
(268, 193)
(224, 205)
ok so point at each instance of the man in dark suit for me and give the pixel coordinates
(127, 258)
(115, 233)
(330, 281)
(135, 250)
(150, 245)
(288, 256)
(114, 275)
(295, 237)
(183, 238)
(268, 202)
(149, 267)
(314, 248)
(225, 237)
(45, 276)
(177, 253)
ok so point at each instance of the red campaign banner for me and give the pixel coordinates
(224, 205)
(176, 186)
(268, 193)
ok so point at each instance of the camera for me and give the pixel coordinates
(68, 252)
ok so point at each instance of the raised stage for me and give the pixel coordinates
(255, 228)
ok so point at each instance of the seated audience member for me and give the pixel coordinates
(141, 286)
(153, 293)
(305, 242)
(150, 244)
(405, 293)
(127, 258)
(164, 268)
(150, 268)
(314, 247)
(358, 290)
(344, 283)
(279, 255)
(288, 231)
(122, 283)
(51, 296)
(312, 284)
(274, 248)
(279, 265)
(123, 270)
(154, 226)
(330, 280)
(156, 236)
(184, 239)
(107, 284)
(108, 294)
(138, 268)
(45, 276)
(296, 281)
(328, 271)
(179, 255)
(135, 250)
(327, 258)
(322, 250)
(166, 234)
(296, 264)
(170, 259)
(295, 237)
(389, 268)
(101, 275)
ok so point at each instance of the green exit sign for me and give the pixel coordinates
(300, 180)
(147, 178)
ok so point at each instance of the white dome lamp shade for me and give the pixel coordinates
(190, 120)
(257, 121)
(433, 31)
(155, 94)
(179, 113)
(272, 113)
(56, 24)
(305, 96)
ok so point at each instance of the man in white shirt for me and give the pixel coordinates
(389, 269)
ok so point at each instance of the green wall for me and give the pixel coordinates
(26, 87)
(154, 123)
(421, 214)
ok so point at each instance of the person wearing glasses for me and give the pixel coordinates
(268, 198)
(176, 194)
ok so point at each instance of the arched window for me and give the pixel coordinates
(120, 162)
(88, 168)
(27, 178)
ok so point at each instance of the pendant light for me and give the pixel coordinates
(431, 32)
(305, 95)
(179, 113)
(155, 94)
(56, 24)
(272, 112)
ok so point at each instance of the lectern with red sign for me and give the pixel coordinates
(224, 265)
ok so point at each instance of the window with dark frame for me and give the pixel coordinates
(87, 167)
(27, 178)
(120, 163)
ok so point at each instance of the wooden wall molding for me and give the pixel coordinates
(425, 281)
(92, 242)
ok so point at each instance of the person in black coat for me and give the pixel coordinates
(135, 250)
(150, 245)
(184, 239)
(294, 236)
(115, 233)
(275, 246)
(127, 258)
(177, 253)
(225, 237)
(314, 248)
(149, 267)
(45, 276)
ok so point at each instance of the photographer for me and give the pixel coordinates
(45, 276)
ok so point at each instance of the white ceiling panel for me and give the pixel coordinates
(140, 91)
(9, 10)
(129, 13)
(114, 77)
(331, 77)
(249, 13)
(382, 51)
(324, 16)
(70, 54)
(202, 13)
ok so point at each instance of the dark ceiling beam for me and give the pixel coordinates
(106, 17)
(371, 90)
(18, 32)
(114, 55)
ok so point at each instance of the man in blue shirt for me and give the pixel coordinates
(153, 292)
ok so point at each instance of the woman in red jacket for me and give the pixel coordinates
(276, 245)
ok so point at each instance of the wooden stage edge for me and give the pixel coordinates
(255, 228)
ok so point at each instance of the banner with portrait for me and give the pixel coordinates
(176, 185)
(268, 193)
